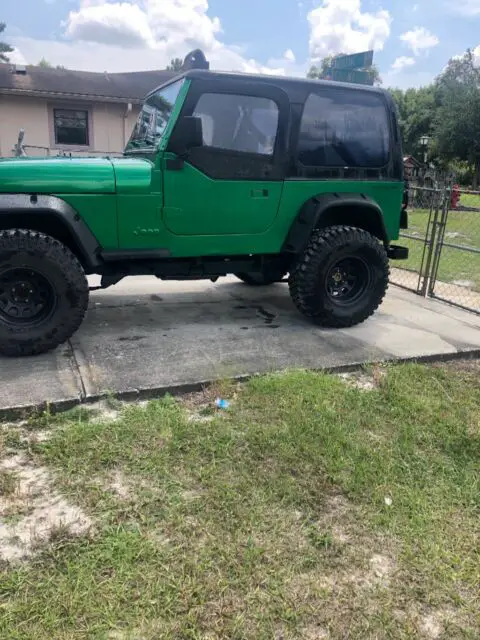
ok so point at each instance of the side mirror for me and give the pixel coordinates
(188, 134)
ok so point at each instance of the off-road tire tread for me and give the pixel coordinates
(304, 276)
(34, 241)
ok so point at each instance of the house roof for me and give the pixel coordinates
(410, 160)
(66, 83)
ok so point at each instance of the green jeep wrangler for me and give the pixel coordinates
(255, 176)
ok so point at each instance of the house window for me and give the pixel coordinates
(71, 127)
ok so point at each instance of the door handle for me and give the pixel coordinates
(259, 193)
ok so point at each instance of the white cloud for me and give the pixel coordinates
(289, 55)
(401, 63)
(101, 57)
(119, 23)
(341, 26)
(465, 7)
(419, 39)
(154, 31)
(476, 57)
(150, 23)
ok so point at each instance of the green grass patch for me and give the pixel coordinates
(8, 483)
(309, 507)
(470, 200)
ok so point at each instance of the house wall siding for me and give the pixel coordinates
(109, 128)
(18, 112)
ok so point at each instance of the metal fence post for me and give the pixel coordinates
(441, 236)
(430, 238)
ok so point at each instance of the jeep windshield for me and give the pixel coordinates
(154, 117)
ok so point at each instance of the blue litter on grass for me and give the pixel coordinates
(222, 404)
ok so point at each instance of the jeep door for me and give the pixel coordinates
(232, 185)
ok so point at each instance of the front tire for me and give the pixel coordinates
(43, 293)
(341, 278)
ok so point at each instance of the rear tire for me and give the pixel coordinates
(43, 293)
(341, 278)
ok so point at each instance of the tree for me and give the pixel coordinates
(176, 64)
(416, 114)
(4, 47)
(322, 72)
(457, 122)
(44, 63)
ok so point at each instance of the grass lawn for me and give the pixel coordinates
(463, 228)
(470, 199)
(314, 507)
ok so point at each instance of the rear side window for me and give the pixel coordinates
(342, 128)
(238, 122)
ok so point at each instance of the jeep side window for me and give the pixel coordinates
(342, 128)
(238, 122)
(154, 117)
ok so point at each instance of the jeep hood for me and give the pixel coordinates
(57, 175)
(75, 175)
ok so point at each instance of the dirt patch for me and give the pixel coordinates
(201, 406)
(314, 632)
(22, 433)
(34, 510)
(354, 560)
(469, 365)
(469, 284)
(196, 416)
(434, 624)
(104, 411)
(430, 626)
(364, 380)
(125, 635)
(199, 400)
(381, 569)
(119, 484)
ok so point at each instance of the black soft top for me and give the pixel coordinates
(296, 88)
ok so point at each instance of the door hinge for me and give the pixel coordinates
(175, 164)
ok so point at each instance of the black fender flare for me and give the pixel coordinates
(87, 244)
(318, 207)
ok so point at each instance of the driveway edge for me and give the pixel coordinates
(58, 406)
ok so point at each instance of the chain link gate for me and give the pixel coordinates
(444, 245)
(424, 208)
(455, 273)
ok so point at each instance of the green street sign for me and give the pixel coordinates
(350, 75)
(354, 61)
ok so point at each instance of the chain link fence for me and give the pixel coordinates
(444, 242)
(455, 275)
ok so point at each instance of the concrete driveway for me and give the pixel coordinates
(144, 335)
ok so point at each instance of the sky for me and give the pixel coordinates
(412, 39)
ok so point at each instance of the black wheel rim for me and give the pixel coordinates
(347, 280)
(27, 297)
